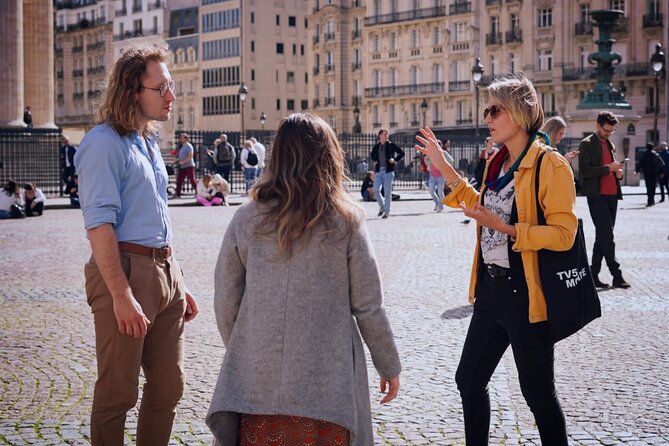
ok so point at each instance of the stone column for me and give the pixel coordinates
(38, 38)
(11, 68)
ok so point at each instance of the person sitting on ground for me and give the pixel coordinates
(221, 188)
(10, 195)
(34, 199)
(206, 196)
(73, 190)
(367, 190)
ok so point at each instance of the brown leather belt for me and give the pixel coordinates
(156, 253)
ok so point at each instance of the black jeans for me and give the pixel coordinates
(603, 211)
(651, 183)
(664, 185)
(501, 318)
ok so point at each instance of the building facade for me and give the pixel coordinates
(407, 63)
(260, 44)
(83, 55)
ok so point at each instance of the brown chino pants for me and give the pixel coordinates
(158, 286)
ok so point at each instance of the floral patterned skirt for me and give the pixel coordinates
(284, 430)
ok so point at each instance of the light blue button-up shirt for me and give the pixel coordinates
(120, 184)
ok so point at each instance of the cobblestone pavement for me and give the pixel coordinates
(612, 377)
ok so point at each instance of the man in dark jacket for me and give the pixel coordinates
(652, 167)
(224, 157)
(67, 170)
(385, 154)
(664, 178)
(600, 175)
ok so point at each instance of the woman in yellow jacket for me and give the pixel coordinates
(505, 288)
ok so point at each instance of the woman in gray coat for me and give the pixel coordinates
(297, 283)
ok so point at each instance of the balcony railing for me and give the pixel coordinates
(437, 122)
(94, 93)
(415, 123)
(329, 67)
(95, 46)
(315, 39)
(393, 124)
(95, 70)
(458, 86)
(315, 104)
(493, 39)
(650, 109)
(652, 21)
(329, 36)
(639, 69)
(121, 12)
(405, 90)
(316, 70)
(157, 4)
(356, 34)
(72, 4)
(515, 35)
(460, 8)
(59, 74)
(78, 96)
(583, 28)
(137, 8)
(403, 16)
(78, 49)
(461, 121)
(355, 66)
(493, 2)
(329, 101)
(131, 34)
(77, 73)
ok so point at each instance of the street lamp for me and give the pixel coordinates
(263, 120)
(423, 109)
(243, 91)
(180, 122)
(357, 127)
(657, 64)
(477, 74)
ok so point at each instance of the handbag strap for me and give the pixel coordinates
(540, 211)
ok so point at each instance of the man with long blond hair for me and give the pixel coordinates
(134, 285)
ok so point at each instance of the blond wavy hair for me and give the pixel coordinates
(303, 184)
(118, 104)
(552, 126)
(520, 100)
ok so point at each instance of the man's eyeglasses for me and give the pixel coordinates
(492, 110)
(163, 88)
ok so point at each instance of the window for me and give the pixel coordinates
(512, 63)
(393, 77)
(278, 104)
(290, 77)
(493, 65)
(654, 8)
(376, 76)
(545, 60)
(461, 31)
(545, 18)
(617, 4)
(582, 57)
(415, 38)
(253, 46)
(436, 36)
(376, 43)
(279, 48)
(414, 114)
(306, 78)
(292, 21)
(253, 75)
(391, 114)
(494, 24)
(584, 9)
(304, 104)
(220, 105)
(294, 49)
(220, 49)
(393, 41)
(301, 50)
(278, 20)
(436, 73)
(220, 20)
(290, 104)
(253, 17)
(414, 75)
(375, 116)
(515, 22)
(548, 102)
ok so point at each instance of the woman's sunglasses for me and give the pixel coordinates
(492, 110)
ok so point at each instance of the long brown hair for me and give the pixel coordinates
(118, 105)
(303, 184)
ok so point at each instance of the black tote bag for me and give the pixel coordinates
(566, 280)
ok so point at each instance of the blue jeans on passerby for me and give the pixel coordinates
(385, 179)
(250, 176)
(436, 187)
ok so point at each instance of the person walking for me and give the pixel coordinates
(296, 285)
(224, 156)
(505, 286)
(652, 167)
(66, 155)
(186, 164)
(664, 178)
(134, 284)
(385, 155)
(249, 159)
(600, 174)
(261, 151)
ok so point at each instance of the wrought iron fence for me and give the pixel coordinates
(31, 156)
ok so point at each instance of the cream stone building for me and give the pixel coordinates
(409, 62)
(262, 44)
(83, 56)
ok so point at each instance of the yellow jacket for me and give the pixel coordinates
(557, 197)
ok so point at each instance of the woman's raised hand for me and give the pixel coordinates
(430, 146)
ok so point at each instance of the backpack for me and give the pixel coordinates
(223, 155)
(252, 159)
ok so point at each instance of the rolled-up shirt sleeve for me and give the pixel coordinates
(100, 165)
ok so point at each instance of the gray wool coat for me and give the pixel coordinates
(291, 327)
